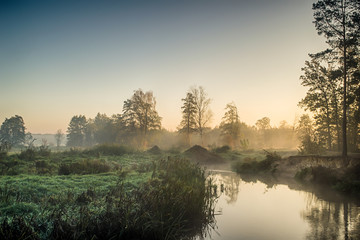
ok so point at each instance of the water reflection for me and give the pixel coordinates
(332, 220)
(267, 208)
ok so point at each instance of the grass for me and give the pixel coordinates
(127, 195)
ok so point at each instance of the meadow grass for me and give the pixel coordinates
(139, 196)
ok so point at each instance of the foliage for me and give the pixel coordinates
(323, 99)
(268, 165)
(222, 149)
(108, 149)
(76, 131)
(84, 167)
(309, 141)
(139, 112)
(338, 21)
(188, 123)
(230, 124)
(346, 182)
(12, 131)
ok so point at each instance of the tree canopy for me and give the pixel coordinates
(12, 131)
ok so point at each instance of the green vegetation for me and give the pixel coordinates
(346, 182)
(95, 194)
(251, 166)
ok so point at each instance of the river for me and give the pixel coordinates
(248, 208)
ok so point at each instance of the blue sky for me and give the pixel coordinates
(64, 58)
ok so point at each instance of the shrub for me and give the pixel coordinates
(252, 166)
(108, 149)
(29, 154)
(84, 167)
(223, 149)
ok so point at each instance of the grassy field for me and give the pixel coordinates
(103, 192)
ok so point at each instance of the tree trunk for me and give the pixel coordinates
(344, 150)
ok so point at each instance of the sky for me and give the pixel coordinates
(64, 58)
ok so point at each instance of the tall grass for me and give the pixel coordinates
(174, 202)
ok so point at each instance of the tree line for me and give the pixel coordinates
(332, 77)
(139, 125)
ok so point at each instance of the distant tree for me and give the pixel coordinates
(203, 112)
(59, 136)
(263, 127)
(12, 131)
(139, 113)
(338, 20)
(103, 129)
(76, 131)
(189, 112)
(306, 133)
(263, 124)
(230, 125)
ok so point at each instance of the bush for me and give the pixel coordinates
(29, 154)
(223, 149)
(253, 166)
(84, 167)
(107, 149)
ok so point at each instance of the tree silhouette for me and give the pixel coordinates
(76, 131)
(203, 113)
(230, 125)
(338, 20)
(12, 131)
(139, 112)
(188, 122)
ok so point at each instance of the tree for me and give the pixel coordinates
(263, 127)
(323, 97)
(76, 131)
(203, 113)
(139, 112)
(103, 129)
(189, 111)
(338, 20)
(307, 136)
(59, 136)
(230, 124)
(12, 131)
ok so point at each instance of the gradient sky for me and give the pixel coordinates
(65, 58)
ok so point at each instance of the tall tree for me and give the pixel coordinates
(12, 131)
(76, 131)
(203, 113)
(188, 122)
(336, 20)
(230, 124)
(139, 112)
(322, 97)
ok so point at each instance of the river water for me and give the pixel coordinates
(268, 209)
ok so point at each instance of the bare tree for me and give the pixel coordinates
(203, 112)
